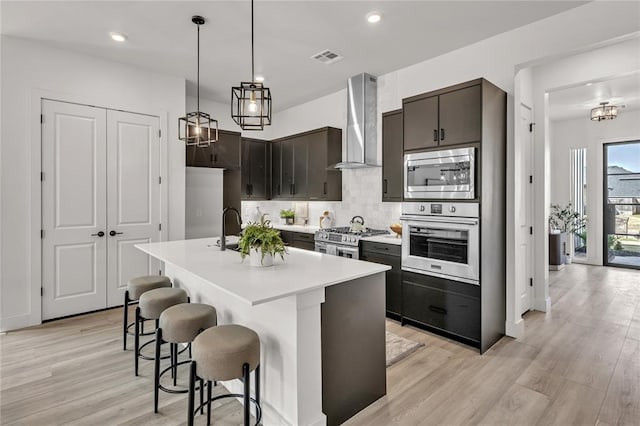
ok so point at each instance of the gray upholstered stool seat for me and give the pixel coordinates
(179, 324)
(226, 352)
(136, 287)
(153, 302)
(150, 306)
(182, 323)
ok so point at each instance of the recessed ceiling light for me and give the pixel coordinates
(374, 17)
(589, 84)
(259, 78)
(118, 37)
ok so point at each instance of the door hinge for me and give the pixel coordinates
(41, 176)
(160, 133)
(530, 282)
(41, 118)
(531, 230)
(41, 233)
(531, 127)
(159, 180)
(159, 227)
(159, 271)
(41, 291)
(530, 179)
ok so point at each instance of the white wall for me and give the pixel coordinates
(28, 70)
(592, 135)
(497, 59)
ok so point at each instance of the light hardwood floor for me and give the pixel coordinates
(577, 365)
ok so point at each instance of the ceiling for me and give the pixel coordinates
(577, 101)
(287, 33)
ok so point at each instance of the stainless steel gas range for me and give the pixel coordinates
(343, 241)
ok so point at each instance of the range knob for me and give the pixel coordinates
(452, 209)
(421, 208)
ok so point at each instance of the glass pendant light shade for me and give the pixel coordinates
(604, 112)
(198, 128)
(251, 101)
(251, 105)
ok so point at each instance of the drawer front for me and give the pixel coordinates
(302, 236)
(452, 312)
(381, 248)
(306, 245)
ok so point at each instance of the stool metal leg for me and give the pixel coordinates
(201, 396)
(136, 341)
(175, 364)
(156, 371)
(125, 319)
(247, 391)
(192, 385)
(208, 402)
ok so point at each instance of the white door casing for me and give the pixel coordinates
(74, 261)
(133, 201)
(524, 206)
(101, 171)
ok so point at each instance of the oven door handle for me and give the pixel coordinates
(446, 241)
(426, 219)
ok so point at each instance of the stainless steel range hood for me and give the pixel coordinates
(361, 144)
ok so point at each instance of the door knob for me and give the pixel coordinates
(99, 234)
(114, 233)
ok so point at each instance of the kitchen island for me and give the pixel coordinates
(320, 320)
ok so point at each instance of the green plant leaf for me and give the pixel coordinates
(263, 237)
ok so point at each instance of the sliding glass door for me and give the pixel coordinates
(622, 204)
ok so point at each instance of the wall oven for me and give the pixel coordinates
(442, 239)
(444, 174)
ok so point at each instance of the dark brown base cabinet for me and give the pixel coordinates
(387, 254)
(443, 306)
(300, 240)
(224, 154)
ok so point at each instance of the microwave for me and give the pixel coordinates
(445, 174)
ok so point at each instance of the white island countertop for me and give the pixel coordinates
(302, 270)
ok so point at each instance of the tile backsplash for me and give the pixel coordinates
(361, 195)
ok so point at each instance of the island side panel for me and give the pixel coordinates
(353, 347)
(291, 383)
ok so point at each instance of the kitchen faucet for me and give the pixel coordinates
(223, 238)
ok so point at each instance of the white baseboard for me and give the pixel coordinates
(514, 329)
(542, 305)
(17, 322)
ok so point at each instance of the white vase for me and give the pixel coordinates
(255, 258)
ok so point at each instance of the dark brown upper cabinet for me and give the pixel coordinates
(392, 156)
(256, 169)
(450, 116)
(224, 154)
(301, 166)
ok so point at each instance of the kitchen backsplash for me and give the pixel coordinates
(361, 195)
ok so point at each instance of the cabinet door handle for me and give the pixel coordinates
(215, 158)
(291, 189)
(435, 135)
(438, 309)
(114, 233)
(325, 188)
(384, 186)
(381, 248)
(278, 189)
(99, 234)
(248, 190)
(212, 158)
(441, 134)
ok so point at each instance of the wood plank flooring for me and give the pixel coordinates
(577, 365)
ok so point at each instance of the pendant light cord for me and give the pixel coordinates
(252, 69)
(198, 73)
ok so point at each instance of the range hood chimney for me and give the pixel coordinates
(361, 144)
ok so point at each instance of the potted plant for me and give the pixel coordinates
(288, 215)
(566, 220)
(261, 243)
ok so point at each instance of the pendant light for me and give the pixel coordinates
(604, 112)
(198, 128)
(251, 101)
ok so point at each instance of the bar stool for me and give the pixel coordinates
(179, 324)
(226, 352)
(150, 307)
(135, 288)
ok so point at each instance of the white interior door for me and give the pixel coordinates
(524, 202)
(73, 209)
(133, 201)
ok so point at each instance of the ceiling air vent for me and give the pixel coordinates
(327, 57)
